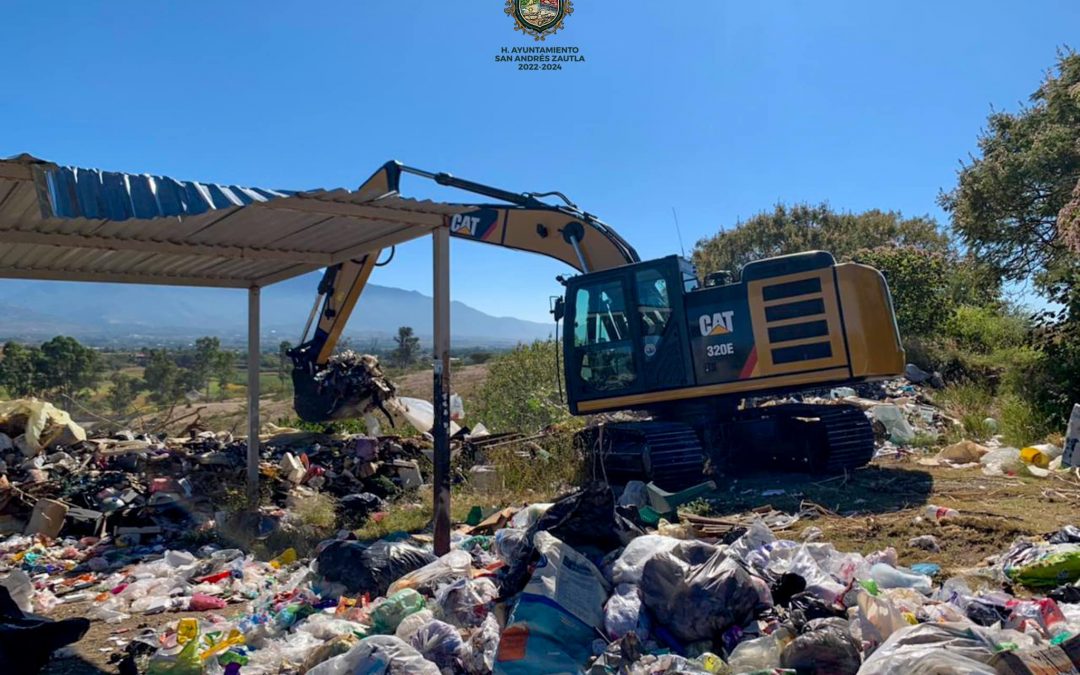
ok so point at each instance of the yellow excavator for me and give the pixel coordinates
(690, 354)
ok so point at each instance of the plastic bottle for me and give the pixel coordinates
(940, 512)
(887, 576)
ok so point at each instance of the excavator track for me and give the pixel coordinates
(821, 438)
(666, 453)
(794, 437)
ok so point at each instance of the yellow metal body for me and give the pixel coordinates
(862, 332)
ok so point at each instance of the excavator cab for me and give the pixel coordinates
(624, 331)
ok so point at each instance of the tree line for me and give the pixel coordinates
(63, 367)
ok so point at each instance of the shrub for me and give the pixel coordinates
(521, 392)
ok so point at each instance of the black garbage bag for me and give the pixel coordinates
(1067, 593)
(805, 607)
(698, 602)
(359, 507)
(1070, 534)
(826, 647)
(986, 613)
(784, 588)
(27, 640)
(370, 567)
(586, 519)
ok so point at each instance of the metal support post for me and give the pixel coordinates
(441, 395)
(253, 398)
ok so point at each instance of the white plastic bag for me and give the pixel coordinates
(631, 563)
(623, 614)
(895, 423)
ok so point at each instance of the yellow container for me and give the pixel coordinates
(1032, 455)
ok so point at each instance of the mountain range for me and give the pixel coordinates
(130, 315)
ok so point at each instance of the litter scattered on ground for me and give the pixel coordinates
(603, 580)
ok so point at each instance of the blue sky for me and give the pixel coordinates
(720, 109)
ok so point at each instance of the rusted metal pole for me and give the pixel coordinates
(253, 398)
(441, 395)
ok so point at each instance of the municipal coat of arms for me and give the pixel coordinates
(539, 18)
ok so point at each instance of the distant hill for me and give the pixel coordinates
(128, 315)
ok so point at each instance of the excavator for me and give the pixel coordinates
(688, 357)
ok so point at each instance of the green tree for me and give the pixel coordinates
(67, 367)
(805, 227)
(207, 353)
(223, 370)
(122, 393)
(407, 349)
(1009, 197)
(18, 372)
(163, 377)
(1015, 207)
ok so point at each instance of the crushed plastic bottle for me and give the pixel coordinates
(940, 512)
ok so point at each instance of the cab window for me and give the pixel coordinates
(603, 347)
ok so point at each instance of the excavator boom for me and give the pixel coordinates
(524, 222)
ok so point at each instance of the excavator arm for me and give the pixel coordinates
(524, 222)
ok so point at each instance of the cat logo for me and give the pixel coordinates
(719, 323)
(463, 223)
(539, 18)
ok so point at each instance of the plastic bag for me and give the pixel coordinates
(21, 589)
(584, 519)
(875, 620)
(370, 568)
(510, 543)
(933, 649)
(634, 494)
(454, 565)
(378, 655)
(896, 425)
(631, 563)
(439, 643)
(698, 602)
(761, 653)
(825, 646)
(887, 576)
(483, 647)
(412, 623)
(623, 614)
(466, 602)
(388, 615)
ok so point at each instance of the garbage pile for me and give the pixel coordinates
(579, 585)
(56, 481)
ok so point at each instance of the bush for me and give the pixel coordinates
(1021, 422)
(521, 392)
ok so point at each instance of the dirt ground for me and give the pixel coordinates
(871, 508)
(465, 381)
(884, 505)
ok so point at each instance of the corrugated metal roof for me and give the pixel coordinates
(89, 225)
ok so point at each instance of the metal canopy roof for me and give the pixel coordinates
(66, 223)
